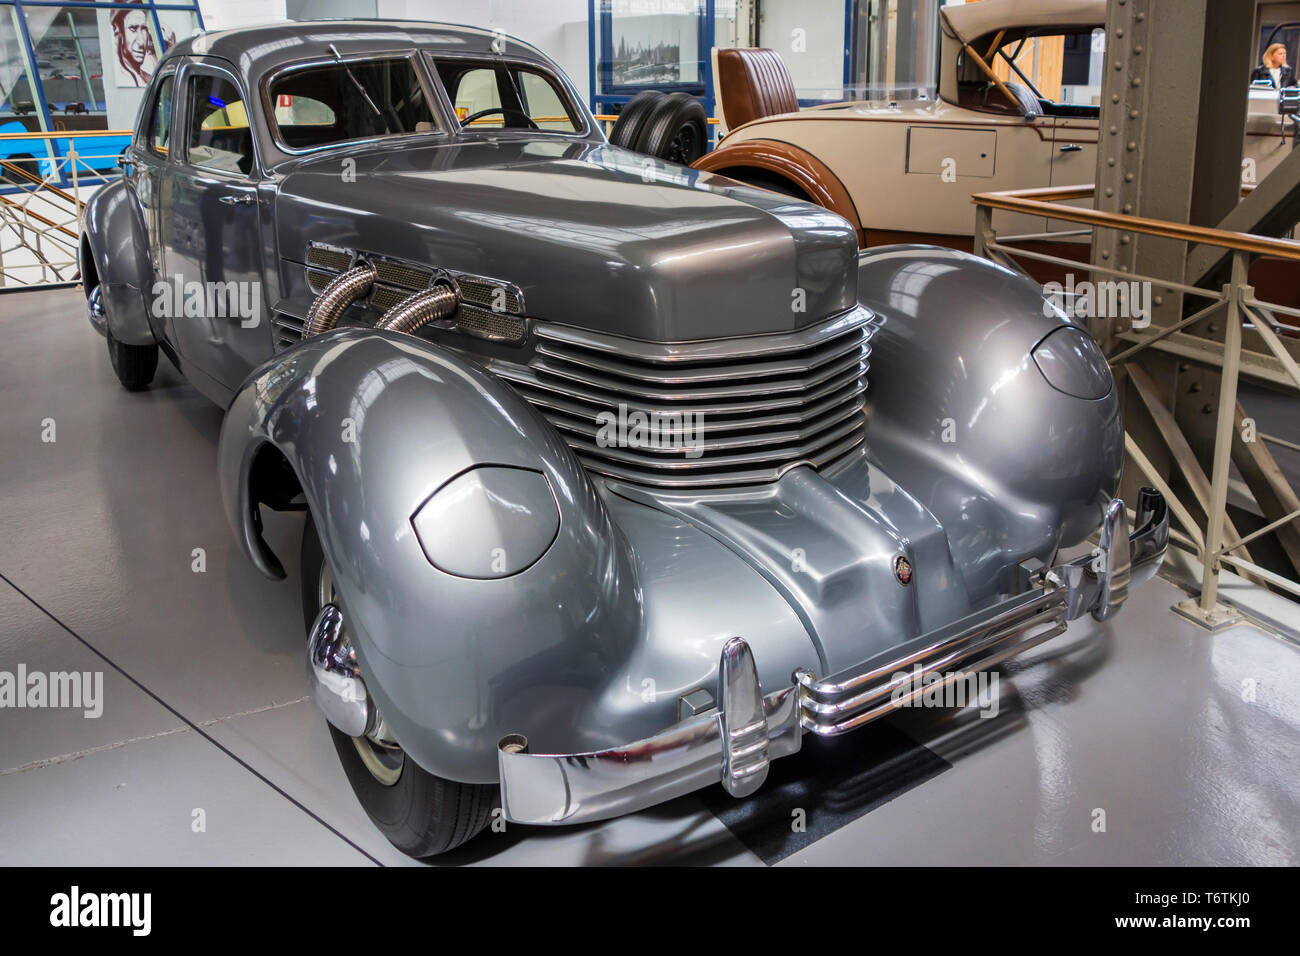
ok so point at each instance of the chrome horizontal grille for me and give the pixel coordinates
(722, 412)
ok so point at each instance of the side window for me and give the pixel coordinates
(218, 136)
(543, 103)
(476, 92)
(160, 120)
(508, 98)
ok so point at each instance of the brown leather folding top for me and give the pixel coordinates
(754, 83)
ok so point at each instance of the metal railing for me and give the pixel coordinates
(47, 178)
(1216, 542)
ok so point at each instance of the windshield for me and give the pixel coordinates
(357, 99)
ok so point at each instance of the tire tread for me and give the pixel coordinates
(632, 120)
(674, 112)
(134, 365)
(421, 814)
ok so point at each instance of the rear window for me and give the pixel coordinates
(358, 99)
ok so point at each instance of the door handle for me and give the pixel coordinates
(241, 200)
(1071, 148)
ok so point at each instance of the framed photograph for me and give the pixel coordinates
(651, 45)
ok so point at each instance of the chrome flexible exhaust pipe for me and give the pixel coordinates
(342, 291)
(440, 302)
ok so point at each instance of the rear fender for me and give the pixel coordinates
(792, 163)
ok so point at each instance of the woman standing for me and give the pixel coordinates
(1274, 68)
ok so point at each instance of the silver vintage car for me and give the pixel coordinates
(602, 506)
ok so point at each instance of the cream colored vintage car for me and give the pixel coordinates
(1014, 110)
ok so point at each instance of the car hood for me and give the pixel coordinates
(594, 236)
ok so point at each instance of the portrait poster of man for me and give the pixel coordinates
(132, 45)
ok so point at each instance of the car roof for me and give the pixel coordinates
(973, 20)
(257, 49)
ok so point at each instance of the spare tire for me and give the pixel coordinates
(677, 130)
(632, 119)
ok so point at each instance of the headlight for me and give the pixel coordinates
(489, 522)
(1072, 363)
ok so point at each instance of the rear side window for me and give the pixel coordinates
(219, 137)
(493, 96)
(160, 120)
(358, 99)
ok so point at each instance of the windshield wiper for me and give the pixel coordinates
(388, 127)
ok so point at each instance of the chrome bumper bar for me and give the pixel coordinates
(735, 742)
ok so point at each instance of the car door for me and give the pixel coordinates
(145, 175)
(1074, 161)
(1024, 161)
(213, 231)
(1074, 137)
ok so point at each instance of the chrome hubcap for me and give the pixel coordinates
(378, 750)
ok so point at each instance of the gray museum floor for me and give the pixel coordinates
(209, 752)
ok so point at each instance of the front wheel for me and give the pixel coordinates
(134, 365)
(420, 814)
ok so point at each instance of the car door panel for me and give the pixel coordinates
(1074, 161)
(211, 232)
(147, 183)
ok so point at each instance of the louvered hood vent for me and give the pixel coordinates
(723, 412)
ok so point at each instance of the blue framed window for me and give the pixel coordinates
(78, 68)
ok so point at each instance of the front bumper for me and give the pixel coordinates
(735, 742)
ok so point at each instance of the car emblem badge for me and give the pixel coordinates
(903, 570)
